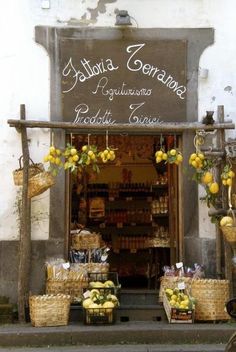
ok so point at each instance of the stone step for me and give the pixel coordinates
(138, 297)
(141, 313)
(126, 313)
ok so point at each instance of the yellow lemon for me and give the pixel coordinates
(75, 157)
(179, 158)
(90, 152)
(164, 156)
(214, 188)
(201, 156)
(194, 163)
(193, 156)
(229, 182)
(45, 159)
(172, 152)
(207, 178)
(57, 161)
(224, 182)
(84, 148)
(231, 174)
(70, 159)
(58, 152)
(226, 221)
(158, 159)
(73, 151)
(159, 153)
(52, 149)
(174, 297)
(106, 152)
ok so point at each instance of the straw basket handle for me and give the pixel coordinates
(31, 161)
(21, 159)
(230, 211)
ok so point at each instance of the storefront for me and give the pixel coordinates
(135, 91)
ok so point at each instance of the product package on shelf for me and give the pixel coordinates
(65, 279)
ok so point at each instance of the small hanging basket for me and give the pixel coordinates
(34, 169)
(40, 183)
(229, 232)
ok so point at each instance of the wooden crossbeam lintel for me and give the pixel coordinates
(121, 128)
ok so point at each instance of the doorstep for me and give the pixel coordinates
(119, 333)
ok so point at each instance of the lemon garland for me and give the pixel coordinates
(203, 174)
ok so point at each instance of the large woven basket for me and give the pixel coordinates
(33, 170)
(211, 297)
(49, 310)
(172, 282)
(40, 183)
(67, 287)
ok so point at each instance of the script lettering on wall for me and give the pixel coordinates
(123, 81)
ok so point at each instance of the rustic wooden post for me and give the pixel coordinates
(25, 230)
(227, 249)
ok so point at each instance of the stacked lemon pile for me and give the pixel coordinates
(178, 299)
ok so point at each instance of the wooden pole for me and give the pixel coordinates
(122, 128)
(25, 235)
(220, 144)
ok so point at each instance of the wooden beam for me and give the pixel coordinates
(121, 128)
(25, 235)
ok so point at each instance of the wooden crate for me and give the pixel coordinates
(177, 315)
(97, 316)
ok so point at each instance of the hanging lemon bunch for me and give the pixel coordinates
(108, 154)
(71, 156)
(227, 175)
(172, 156)
(54, 158)
(160, 155)
(88, 157)
(204, 171)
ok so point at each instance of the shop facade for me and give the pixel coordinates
(102, 79)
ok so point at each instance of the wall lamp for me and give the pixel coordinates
(123, 18)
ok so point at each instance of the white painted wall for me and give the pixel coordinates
(25, 76)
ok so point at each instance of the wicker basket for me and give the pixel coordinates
(33, 170)
(49, 310)
(211, 297)
(67, 287)
(40, 183)
(83, 240)
(172, 282)
(229, 233)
